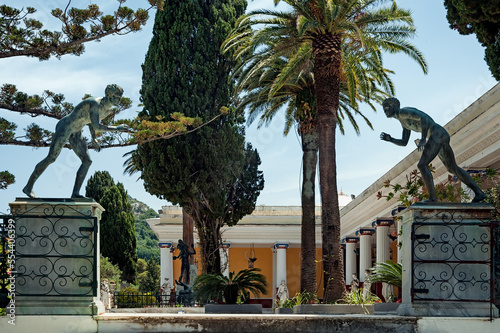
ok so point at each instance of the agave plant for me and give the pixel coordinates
(209, 287)
(387, 272)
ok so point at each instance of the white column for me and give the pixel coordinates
(350, 258)
(166, 262)
(365, 251)
(280, 272)
(224, 258)
(383, 247)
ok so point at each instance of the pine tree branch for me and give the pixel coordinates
(177, 133)
(58, 49)
(33, 112)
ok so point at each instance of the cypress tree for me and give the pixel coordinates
(206, 172)
(97, 184)
(117, 231)
(151, 281)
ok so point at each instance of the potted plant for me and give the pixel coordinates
(353, 302)
(287, 306)
(233, 289)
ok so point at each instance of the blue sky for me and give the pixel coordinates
(457, 76)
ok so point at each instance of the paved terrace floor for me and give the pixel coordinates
(200, 322)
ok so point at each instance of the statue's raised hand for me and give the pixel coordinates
(385, 136)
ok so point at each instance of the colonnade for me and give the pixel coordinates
(279, 261)
(358, 254)
(360, 247)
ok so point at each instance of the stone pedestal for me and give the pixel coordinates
(56, 256)
(447, 257)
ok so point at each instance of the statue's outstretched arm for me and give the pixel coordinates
(95, 125)
(400, 142)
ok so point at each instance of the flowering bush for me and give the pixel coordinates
(414, 190)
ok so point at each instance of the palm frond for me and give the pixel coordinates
(387, 272)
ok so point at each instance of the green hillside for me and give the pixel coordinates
(147, 242)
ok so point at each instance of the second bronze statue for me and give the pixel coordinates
(88, 112)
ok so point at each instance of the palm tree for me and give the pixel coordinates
(299, 98)
(218, 287)
(326, 31)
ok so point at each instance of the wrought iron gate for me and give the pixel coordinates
(50, 251)
(455, 258)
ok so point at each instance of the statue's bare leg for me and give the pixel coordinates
(431, 150)
(79, 146)
(448, 158)
(55, 149)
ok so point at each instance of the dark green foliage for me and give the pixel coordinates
(147, 242)
(99, 183)
(117, 231)
(218, 287)
(110, 271)
(6, 178)
(481, 18)
(209, 172)
(36, 134)
(7, 129)
(150, 279)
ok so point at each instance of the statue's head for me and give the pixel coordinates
(114, 93)
(390, 105)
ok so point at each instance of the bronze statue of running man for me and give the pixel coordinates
(435, 141)
(88, 112)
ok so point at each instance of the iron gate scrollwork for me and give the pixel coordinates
(452, 258)
(55, 251)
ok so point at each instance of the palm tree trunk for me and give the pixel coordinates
(188, 238)
(308, 231)
(327, 67)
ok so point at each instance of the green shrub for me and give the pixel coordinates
(233, 289)
(132, 298)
